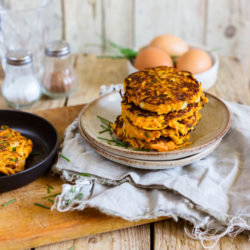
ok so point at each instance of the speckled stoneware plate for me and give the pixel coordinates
(150, 165)
(212, 127)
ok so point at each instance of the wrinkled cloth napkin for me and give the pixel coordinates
(213, 193)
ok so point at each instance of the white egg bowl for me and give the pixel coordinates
(206, 78)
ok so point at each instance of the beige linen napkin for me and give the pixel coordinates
(212, 193)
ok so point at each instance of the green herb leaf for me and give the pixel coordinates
(141, 149)
(41, 205)
(103, 120)
(64, 157)
(49, 188)
(8, 135)
(14, 149)
(8, 202)
(68, 202)
(73, 189)
(50, 200)
(72, 248)
(85, 174)
(11, 159)
(79, 196)
(147, 135)
(50, 196)
(103, 131)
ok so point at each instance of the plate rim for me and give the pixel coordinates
(153, 153)
(194, 157)
(47, 157)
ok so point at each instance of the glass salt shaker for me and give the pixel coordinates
(59, 78)
(20, 87)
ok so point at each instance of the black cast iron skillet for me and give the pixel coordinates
(45, 140)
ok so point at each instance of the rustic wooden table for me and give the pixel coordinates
(232, 85)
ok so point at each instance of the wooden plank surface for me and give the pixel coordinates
(177, 17)
(228, 26)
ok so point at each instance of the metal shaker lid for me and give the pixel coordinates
(18, 57)
(57, 48)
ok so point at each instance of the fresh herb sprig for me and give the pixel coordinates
(64, 157)
(50, 196)
(8, 203)
(41, 205)
(128, 53)
(107, 128)
(49, 188)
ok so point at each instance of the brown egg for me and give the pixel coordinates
(152, 57)
(194, 61)
(172, 45)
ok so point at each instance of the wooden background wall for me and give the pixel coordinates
(223, 24)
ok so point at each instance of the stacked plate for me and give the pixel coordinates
(204, 139)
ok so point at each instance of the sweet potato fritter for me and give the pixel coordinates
(152, 121)
(124, 130)
(14, 150)
(162, 89)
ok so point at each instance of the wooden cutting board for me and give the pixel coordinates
(24, 225)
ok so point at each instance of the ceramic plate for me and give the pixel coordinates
(212, 127)
(150, 165)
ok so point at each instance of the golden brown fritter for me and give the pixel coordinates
(152, 121)
(14, 150)
(162, 89)
(124, 130)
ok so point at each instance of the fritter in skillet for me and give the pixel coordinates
(14, 150)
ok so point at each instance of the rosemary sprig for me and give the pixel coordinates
(41, 205)
(64, 157)
(8, 203)
(50, 200)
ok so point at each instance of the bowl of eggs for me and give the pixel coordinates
(169, 50)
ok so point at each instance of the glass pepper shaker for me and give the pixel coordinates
(59, 78)
(20, 87)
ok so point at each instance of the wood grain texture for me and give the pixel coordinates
(228, 27)
(83, 26)
(135, 238)
(92, 73)
(170, 235)
(180, 18)
(118, 21)
(233, 81)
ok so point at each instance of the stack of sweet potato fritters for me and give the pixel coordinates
(159, 109)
